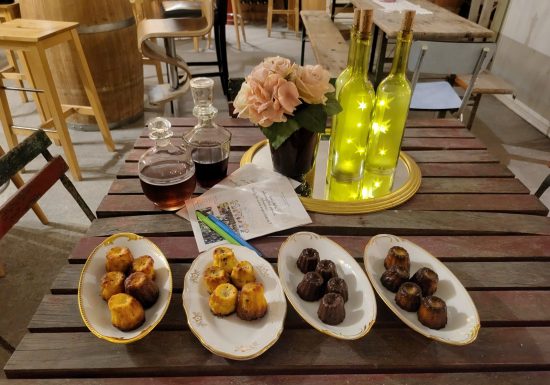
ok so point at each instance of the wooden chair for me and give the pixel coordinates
(29, 193)
(444, 58)
(238, 21)
(289, 12)
(488, 14)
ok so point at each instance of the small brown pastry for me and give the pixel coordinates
(408, 296)
(215, 276)
(126, 312)
(119, 259)
(242, 273)
(433, 312)
(394, 277)
(398, 256)
(308, 260)
(338, 285)
(327, 269)
(142, 288)
(311, 288)
(251, 303)
(223, 300)
(331, 309)
(112, 283)
(427, 279)
(225, 258)
(146, 265)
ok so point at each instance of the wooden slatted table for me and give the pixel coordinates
(470, 212)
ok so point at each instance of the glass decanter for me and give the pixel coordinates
(166, 171)
(208, 142)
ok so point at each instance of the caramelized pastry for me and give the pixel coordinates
(242, 273)
(398, 256)
(119, 259)
(251, 303)
(327, 269)
(427, 279)
(142, 288)
(331, 309)
(146, 265)
(225, 258)
(308, 260)
(433, 312)
(394, 277)
(112, 283)
(408, 296)
(126, 312)
(223, 300)
(311, 288)
(215, 276)
(338, 285)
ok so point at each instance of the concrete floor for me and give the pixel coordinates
(33, 253)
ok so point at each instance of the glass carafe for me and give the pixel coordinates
(166, 171)
(209, 143)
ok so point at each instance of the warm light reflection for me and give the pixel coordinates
(378, 128)
(362, 106)
(382, 151)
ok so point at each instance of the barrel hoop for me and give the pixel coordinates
(106, 27)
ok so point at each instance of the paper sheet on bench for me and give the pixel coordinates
(252, 201)
(400, 6)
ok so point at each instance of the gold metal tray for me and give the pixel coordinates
(407, 182)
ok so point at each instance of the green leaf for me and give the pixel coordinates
(313, 117)
(332, 106)
(277, 133)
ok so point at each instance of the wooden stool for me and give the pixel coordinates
(33, 37)
(238, 20)
(295, 11)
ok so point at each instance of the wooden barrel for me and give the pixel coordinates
(108, 34)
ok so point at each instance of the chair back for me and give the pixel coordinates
(449, 58)
(15, 160)
(489, 14)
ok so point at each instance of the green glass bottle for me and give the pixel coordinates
(393, 97)
(346, 73)
(349, 137)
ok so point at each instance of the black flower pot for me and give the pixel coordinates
(296, 156)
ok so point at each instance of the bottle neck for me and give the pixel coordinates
(352, 46)
(362, 54)
(401, 56)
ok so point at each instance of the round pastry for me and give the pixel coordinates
(338, 285)
(308, 260)
(242, 273)
(223, 299)
(119, 259)
(311, 288)
(394, 277)
(327, 269)
(432, 312)
(408, 296)
(215, 276)
(225, 258)
(427, 279)
(251, 303)
(397, 256)
(146, 265)
(126, 312)
(112, 283)
(142, 288)
(331, 309)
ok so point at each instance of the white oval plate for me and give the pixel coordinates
(462, 318)
(94, 310)
(230, 336)
(361, 304)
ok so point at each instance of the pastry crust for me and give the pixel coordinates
(251, 304)
(398, 256)
(215, 276)
(112, 283)
(242, 273)
(126, 312)
(144, 264)
(119, 259)
(143, 288)
(223, 300)
(433, 312)
(225, 258)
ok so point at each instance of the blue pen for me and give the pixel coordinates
(232, 233)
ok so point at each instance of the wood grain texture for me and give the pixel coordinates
(465, 170)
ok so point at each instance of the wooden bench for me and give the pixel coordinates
(329, 46)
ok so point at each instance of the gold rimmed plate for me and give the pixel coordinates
(462, 317)
(94, 310)
(230, 336)
(361, 305)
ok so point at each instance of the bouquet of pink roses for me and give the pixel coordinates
(281, 96)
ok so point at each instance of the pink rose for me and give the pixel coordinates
(278, 65)
(266, 102)
(313, 83)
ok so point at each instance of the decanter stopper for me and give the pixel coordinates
(202, 90)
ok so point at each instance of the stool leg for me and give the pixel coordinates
(44, 80)
(91, 92)
(13, 63)
(269, 16)
(477, 99)
(236, 23)
(297, 16)
(241, 21)
(39, 99)
(6, 118)
(18, 182)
